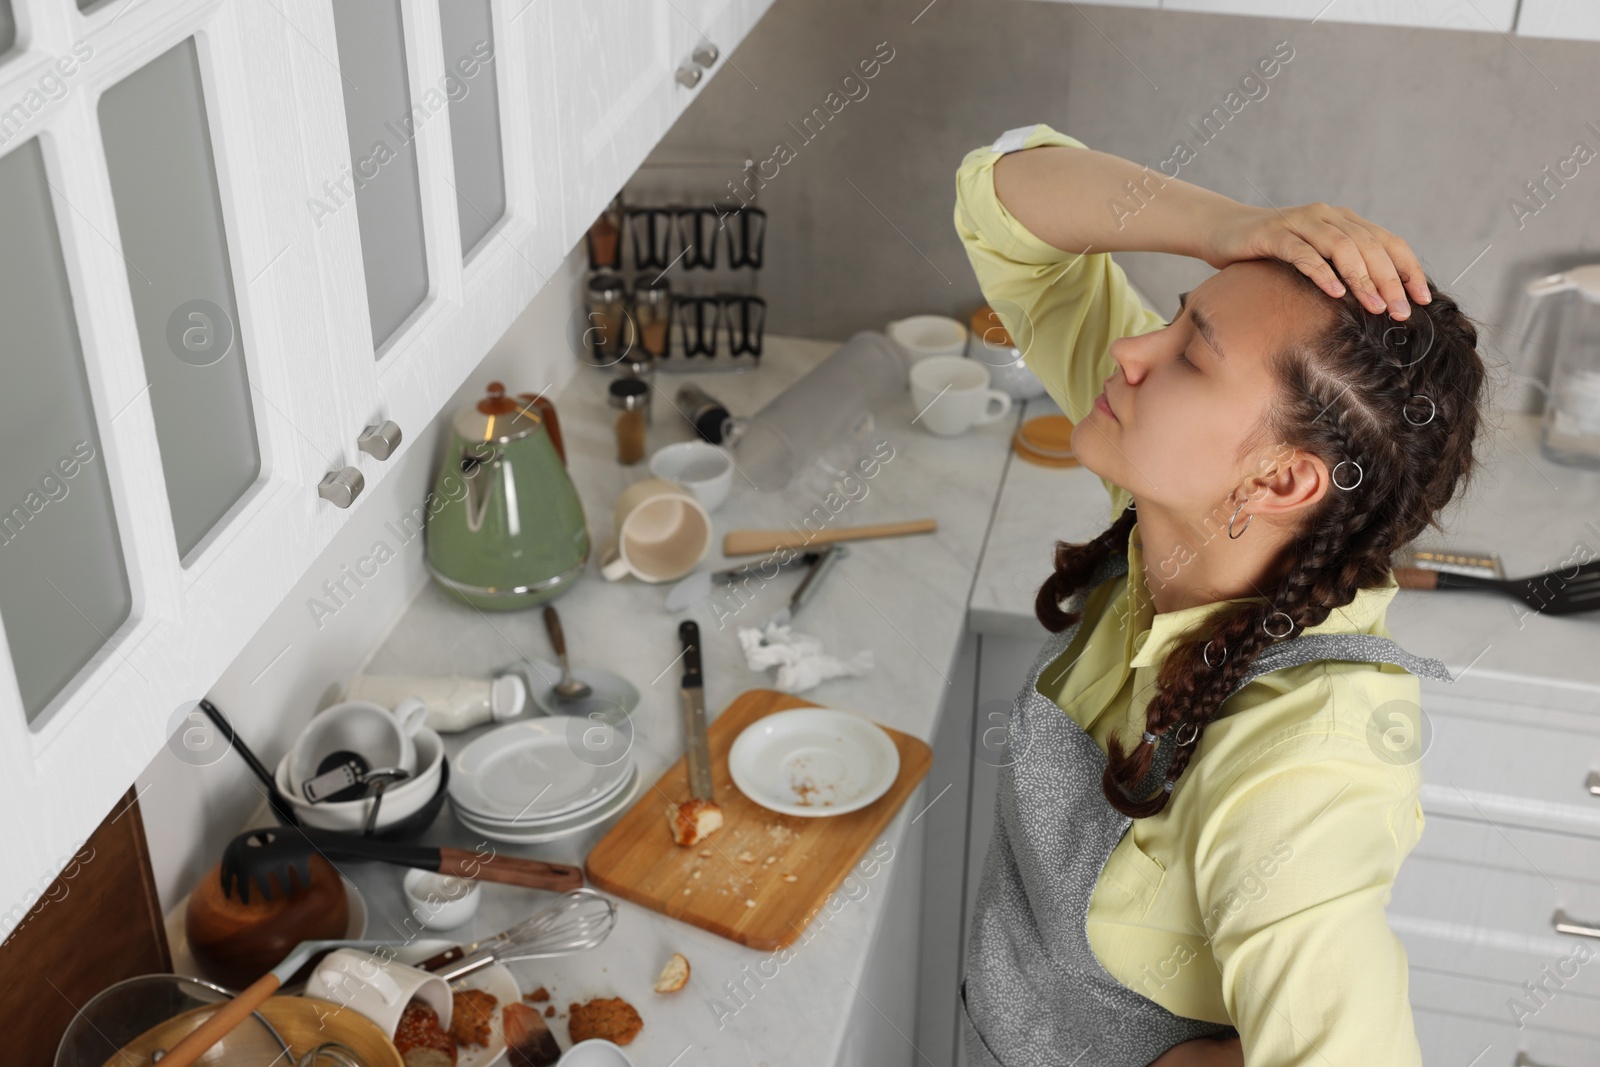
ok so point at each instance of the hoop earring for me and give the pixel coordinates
(1360, 474)
(1247, 520)
(1194, 731)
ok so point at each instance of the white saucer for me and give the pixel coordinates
(530, 770)
(555, 830)
(528, 822)
(813, 762)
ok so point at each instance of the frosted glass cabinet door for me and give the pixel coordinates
(8, 29)
(472, 81)
(381, 125)
(64, 588)
(163, 180)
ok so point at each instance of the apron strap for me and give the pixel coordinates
(1354, 648)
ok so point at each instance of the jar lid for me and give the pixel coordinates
(606, 286)
(628, 393)
(497, 417)
(989, 330)
(652, 290)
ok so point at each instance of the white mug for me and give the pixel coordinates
(952, 395)
(925, 336)
(378, 987)
(661, 533)
(382, 737)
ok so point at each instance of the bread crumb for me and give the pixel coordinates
(696, 874)
(706, 853)
(749, 903)
(790, 878)
(685, 890)
(770, 860)
(746, 856)
(550, 1011)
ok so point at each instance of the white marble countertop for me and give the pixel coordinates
(904, 598)
(1537, 515)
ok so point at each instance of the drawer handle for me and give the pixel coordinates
(1566, 924)
(1593, 782)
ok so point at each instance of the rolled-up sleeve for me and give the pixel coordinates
(1063, 308)
(1293, 872)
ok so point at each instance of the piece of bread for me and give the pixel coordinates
(674, 976)
(612, 1019)
(421, 1041)
(694, 820)
(472, 1018)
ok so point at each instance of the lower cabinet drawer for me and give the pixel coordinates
(1480, 902)
(1452, 1032)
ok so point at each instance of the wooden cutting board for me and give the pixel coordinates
(638, 861)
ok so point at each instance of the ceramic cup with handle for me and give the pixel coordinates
(382, 737)
(952, 395)
(377, 986)
(928, 336)
(661, 531)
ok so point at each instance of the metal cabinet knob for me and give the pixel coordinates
(1566, 924)
(1593, 783)
(706, 54)
(689, 76)
(379, 440)
(340, 488)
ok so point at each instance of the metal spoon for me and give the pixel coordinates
(568, 688)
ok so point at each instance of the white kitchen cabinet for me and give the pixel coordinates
(1573, 19)
(193, 506)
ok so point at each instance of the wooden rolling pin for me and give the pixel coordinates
(757, 542)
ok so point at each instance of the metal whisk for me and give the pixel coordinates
(574, 921)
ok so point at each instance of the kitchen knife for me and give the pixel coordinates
(697, 752)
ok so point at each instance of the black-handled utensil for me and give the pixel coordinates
(1552, 593)
(696, 748)
(259, 857)
(279, 803)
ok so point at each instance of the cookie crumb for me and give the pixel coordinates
(550, 1011)
(539, 995)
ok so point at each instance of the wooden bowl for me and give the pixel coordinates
(235, 943)
(304, 1022)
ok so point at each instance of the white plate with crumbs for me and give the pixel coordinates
(813, 762)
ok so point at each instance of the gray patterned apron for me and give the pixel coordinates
(1034, 993)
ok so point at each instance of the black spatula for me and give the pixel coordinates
(1561, 592)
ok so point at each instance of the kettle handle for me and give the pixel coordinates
(547, 412)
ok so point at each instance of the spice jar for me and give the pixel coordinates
(605, 238)
(610, 334)
(631, 398)
(707, 414)
(652, 302)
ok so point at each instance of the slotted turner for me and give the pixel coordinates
(1560, 592)
(279, 854)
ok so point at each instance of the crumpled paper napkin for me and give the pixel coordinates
(800, 658)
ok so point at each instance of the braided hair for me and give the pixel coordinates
(1391, 406)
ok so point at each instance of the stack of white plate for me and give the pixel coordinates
(541, 779)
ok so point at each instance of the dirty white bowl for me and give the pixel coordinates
(400, 800)
(703, 469)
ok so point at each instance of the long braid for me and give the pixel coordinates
(1351, 396)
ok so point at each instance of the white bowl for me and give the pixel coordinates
(400, 800)
(595, 1052)
(703, 469)
(440, 901)
(384, 737)
(813, 762)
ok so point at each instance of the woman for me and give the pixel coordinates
(1200, 818)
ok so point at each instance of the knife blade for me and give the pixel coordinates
(697, 752)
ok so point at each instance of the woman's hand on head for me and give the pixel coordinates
(1202, 1052)
(1378, 266)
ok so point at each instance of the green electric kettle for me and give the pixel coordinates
(505, 529)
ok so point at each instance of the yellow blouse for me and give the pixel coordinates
(1257, 896)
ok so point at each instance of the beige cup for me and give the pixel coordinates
(660, 532)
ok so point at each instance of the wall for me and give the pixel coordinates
(1430, 133)
(286, 672)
